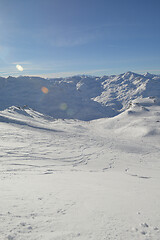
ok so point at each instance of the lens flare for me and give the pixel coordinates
(44, 90)
(19, 67)
(63, 106)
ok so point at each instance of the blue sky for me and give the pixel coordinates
(53, 38)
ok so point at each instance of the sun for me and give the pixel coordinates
(19, 67)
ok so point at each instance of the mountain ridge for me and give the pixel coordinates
(78, 97)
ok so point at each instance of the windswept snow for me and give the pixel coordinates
(73, 179)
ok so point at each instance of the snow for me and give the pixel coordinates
(84, 97)
(74, 179)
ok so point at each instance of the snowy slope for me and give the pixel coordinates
(141, 119)
(71, 179)
(79, 97)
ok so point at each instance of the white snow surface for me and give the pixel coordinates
(63, 179)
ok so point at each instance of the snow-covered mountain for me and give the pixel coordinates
(78, 97)
(70, 179)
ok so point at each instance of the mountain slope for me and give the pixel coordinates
(141, 119)
(79, 97)
(71, 179)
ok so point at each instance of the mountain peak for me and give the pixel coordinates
(147, 74)
(128, 74)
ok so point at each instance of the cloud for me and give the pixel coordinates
(65, 36)
(71, 41)
(22, 63)
(154, 71)
(69, 74)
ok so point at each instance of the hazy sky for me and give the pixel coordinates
(67, 37)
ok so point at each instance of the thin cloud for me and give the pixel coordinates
(22, 63)
(73, 73)
(149, 70)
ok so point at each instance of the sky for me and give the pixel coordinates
(59, 38)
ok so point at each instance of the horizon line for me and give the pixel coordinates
(74, 74)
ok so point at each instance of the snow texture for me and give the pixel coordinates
(64, 178)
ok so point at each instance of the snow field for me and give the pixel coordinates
(69, 179)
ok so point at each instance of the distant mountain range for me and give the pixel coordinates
(78, 97)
